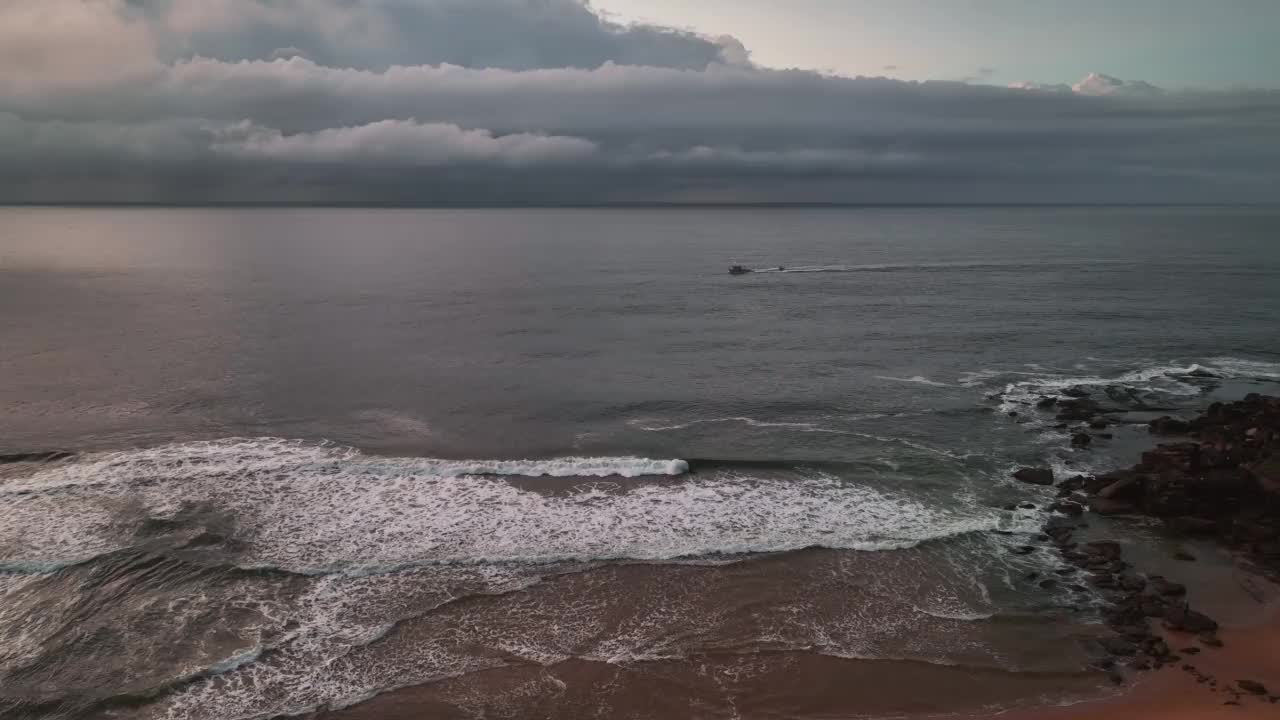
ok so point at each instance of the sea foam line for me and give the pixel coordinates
(344, 513)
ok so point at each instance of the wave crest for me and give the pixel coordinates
(314, 509)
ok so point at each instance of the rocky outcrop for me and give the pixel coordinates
(1222, 482)
(1168, 426)
(1034, 476)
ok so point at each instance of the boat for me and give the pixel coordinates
(738, 270)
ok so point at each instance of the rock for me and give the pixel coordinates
(1152, 607)
(1136, 633)
(1190, 651)
(1208, 639)
(1169, 426)
(1076, 392)
(1132, 583)
(1248, 530)
(1127, 488)
(1047, 402)
(1059, 535)
(1073, 483)
(1098, 424)
(1163, 587)
(1184, 619)
(1104, 581)
(1034, 476)
(1096, 564)
(1104, 549)
(1192, 525)
(1079, 410)
(1184, 556)
(1027, 506)
(1081, 440)
(1067, 507)
(1048, 584)
(1118, 646)
(1104, 506)
(1251, 687)
(1184, 457)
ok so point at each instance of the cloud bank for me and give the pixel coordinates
(545, 101)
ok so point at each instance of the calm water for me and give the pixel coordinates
(520, 405)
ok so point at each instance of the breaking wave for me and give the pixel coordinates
(313, 509)
(1149, 387)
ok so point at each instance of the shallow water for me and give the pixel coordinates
(326, 454)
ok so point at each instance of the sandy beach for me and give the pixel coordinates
(825, 687)
(1249, 652)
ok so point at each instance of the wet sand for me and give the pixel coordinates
(805, 685)
(802, 684)
(722, 642)
(1249, 653)
(782, 685)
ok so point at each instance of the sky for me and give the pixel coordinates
(1179, 43)
(620, 101)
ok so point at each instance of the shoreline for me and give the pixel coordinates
(1211, 493)
(1217, 485)
(1176, 693)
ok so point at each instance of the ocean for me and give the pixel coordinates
(560, 463)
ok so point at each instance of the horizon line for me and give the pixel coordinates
(249, 204)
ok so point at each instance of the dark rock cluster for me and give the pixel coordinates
(1222, 482)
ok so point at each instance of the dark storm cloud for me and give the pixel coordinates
(357, 100)
(376, 34)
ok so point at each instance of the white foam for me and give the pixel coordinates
(338, 619)
(313, 509)
(752, 422)
(1169, 379)
(1245, 369)
(918, 379)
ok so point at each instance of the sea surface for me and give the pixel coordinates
(559, 463)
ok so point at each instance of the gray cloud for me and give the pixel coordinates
(376, 34)
(357, 100)
(398, 142)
